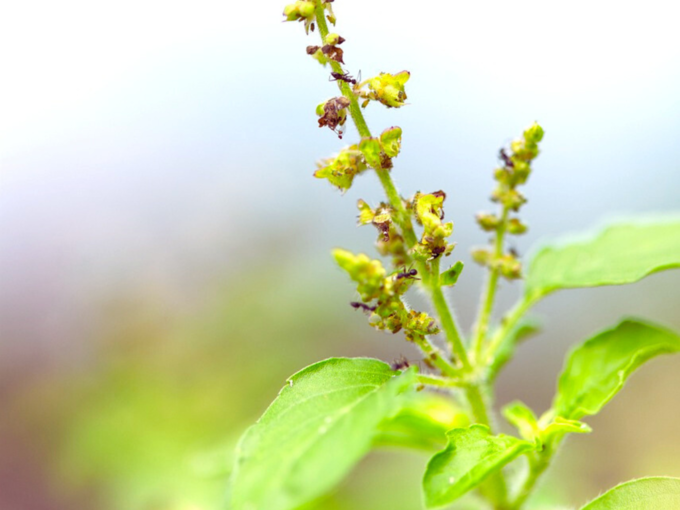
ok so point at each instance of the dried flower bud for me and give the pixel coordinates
(333, 53)
(317, 54)
(333, 113)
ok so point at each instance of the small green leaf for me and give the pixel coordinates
(471, 455)
(598, 369)
(450, 276)
(621, 253)
(654, 493)
(561, 426)
(540, 431)
(321, 424)
(370, 148)
(523, 418)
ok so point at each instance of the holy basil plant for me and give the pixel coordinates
(329, 415)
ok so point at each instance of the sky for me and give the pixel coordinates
(166, 140)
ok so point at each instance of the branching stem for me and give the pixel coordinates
(482, 324)
(446, 317)
(507, 325)
(436, 357)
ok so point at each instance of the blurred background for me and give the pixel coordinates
(165, 251)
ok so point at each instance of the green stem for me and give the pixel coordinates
(402, 218)
(482, 323)
(440, 382)
(537, 466)
(495, 488)
(446, 318)
(507, 325)
(436, 357)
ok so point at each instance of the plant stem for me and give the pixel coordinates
(507, 325)
(402, 218)
(537, 466)
(436, 357)
(440, 382)
(482, 323)
(446, 318)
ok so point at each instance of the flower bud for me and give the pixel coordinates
(390, 139)
(389, 89)
(341, 170)
(299, 10)
(334, 39)
(489, 222)
(366, 214)
(509, 267)
(516, 227)
(482, 256)
(369, 274)
(534, 133)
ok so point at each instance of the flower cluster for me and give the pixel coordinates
(387, 88)
(381, 295)
(429, 212)
(341, 169)
(390, 242)
(303, 11)
(514, 171)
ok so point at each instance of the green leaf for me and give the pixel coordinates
(654, 493)
(471, 455)
(621, 253)
(422, 422)
(450, 276)
(524, 420)
(540, 431)
(321, 424)
(596, 370)
(561, 426)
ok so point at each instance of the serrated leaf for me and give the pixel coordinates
(471, 455)
(370, 148)
(654, 493)
(621, 253)
(321, 424)
(596, 370)
(450, 276)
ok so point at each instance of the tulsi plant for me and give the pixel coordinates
(331, 414)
